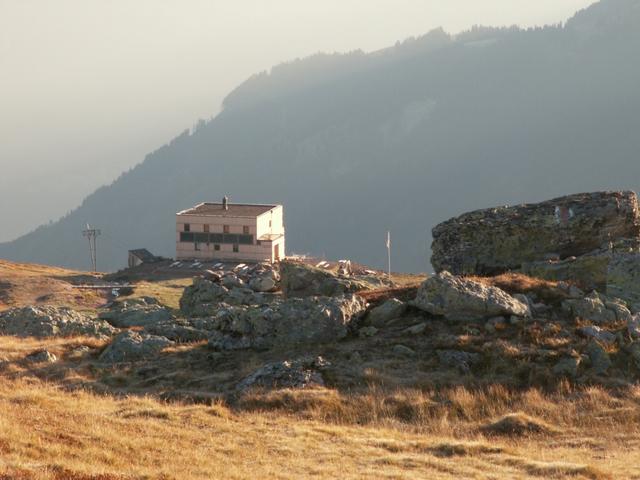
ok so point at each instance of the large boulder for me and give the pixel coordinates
(202, 298)
(462, 299)
(301, 280)
(50, 321)
(132, 346)
(495, 240)
(294, 321)
(136, 313)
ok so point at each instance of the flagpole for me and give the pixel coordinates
(389, 254)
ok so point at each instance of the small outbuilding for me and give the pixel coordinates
(140, 256)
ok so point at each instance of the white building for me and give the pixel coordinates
(230, 231)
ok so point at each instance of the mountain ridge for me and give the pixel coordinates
(389, 141)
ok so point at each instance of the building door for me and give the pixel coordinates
(276, 252)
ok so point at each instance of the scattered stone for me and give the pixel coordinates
(418, 329)
(567, 367)
(496, 324)
(367, 332)
(356, 357)
(132, 346)
(462, 299)
(598, 334)
(49, 321)
(263, 284)
(42, 356)
(591, 308)
(403, 351)
(633, 326)
(300, 373)
(382, 314)
(600, 360)
(462, 361)
(496, 240)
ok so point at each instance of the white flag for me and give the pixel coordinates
(388, 242)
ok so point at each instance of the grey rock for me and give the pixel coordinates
(600, 360)
(495, 240)
(382, 314)
(462, 361)
(50, 321)
(403, 351)
(598, 334)
(417, 329)
(633, 327)
(367, 332)
(590, 308)
(300, 373)
(136, 314)
(623, 276)
(179, 330)
(290, 322)
(496, 324)
(301, 280)
(132, 346)
(567, 367)
(42, 356)
(263, 284)
(462, 299)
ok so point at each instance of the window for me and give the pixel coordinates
(216, 247)
(206, 229)
(196, 246)
(235, 248)
(269, 223)
(245, 239)
(258, 242)
(245, 230)
(187, 227)
(201, 237)
(186, 237)
(225, 228)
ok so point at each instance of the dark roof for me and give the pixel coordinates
(143, 254)
(234, 210)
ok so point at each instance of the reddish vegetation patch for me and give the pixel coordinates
(546, 290)
(382, 294)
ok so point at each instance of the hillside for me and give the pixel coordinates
(354, 145)
(378, 403)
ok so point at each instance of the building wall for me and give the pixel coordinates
(271, 222)
(254, 253)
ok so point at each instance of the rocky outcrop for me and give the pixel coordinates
(300, 373)
(132, 346)
(290, 322)
(301, 280)
(138, 312)
(597, 309)
(202, 297)
(461, 299)
(495, 240)
(50, 321)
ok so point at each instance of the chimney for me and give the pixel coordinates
(225, 203)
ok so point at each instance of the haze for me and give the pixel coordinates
(87, 88)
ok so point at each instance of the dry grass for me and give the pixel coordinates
(49, 433)
(31, 284)
(546, 290)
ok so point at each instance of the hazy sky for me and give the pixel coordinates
(88, 87)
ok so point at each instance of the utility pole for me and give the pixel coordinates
(91, 234)
(388, 243)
